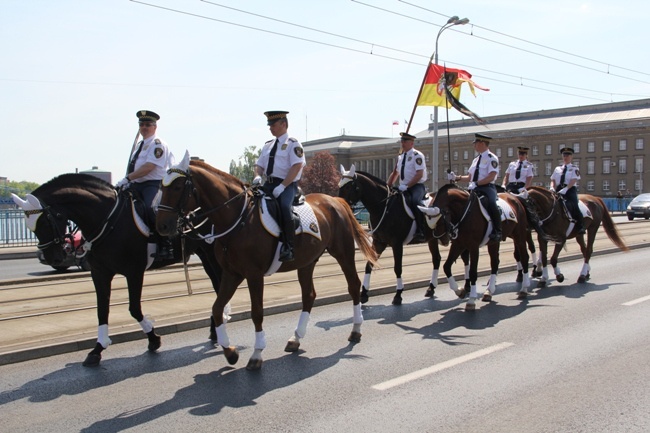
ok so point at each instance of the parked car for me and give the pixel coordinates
(639, 207)
(73, 251)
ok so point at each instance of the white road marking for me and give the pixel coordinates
(439, 367)
(637, 301)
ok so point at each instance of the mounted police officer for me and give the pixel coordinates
(482, 174)
(411, 170)
(282, 160)
(148, 164)
(519, 174)
(563, 180)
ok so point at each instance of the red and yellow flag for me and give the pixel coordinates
(433, 91)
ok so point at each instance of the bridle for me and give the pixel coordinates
(386, 200)
(186, 218)
(50, 217)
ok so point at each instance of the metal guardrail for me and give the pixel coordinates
(13, 231)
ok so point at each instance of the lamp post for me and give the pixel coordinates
(453, 21)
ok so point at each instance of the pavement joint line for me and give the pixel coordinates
(59, 348)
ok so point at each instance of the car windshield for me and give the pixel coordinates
(643, 198)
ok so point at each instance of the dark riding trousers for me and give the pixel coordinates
(514, 187)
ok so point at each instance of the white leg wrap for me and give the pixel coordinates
(301, 329)
(453, 285)
(260, 341)
(557, 270)
(366, 281)
(146, 325)
(222, 335)
(545, 274)
(492, 284)
(534, 260)
(467, 272)
(400, 284)
(473, 294)
(357, 315)
(585, 269)
(226, 313)
(434, 277)
(519, 266)
(525, 284)
(102, 336)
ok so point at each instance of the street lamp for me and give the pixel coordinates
(453, 21)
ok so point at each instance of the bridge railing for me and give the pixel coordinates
(13, 231)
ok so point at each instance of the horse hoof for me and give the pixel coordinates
(254, 364)
(542, 283)
(461, 293)
(588, 276)
(364, 295)
(467, 286)
(520, 277)
(213, 335)
(487, 298)
(397, 300)
(292, 346)
(154, 343)
(470, 307)
(92, 360)
(582, 279)
(355, 337)
(522, 295)
(430, 291)
(231, 354)
(559, 278)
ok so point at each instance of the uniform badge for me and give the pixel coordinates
(409, 158)
(298, 151)
(577, 172)
(313, 227)
(418, 161)
(495, 164)
(158, 152)
(157, 141)
(284, 147)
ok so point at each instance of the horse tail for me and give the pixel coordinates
(610, 227)
(361, 237)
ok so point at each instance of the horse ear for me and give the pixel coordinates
(342, 170)
(33, 202)
(185, 163)
(352, 171)
(19, 201)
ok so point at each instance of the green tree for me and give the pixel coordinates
(321, 175)
(244, 169)
(21, 188)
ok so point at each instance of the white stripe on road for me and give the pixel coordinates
(637, 301)
(439, 367)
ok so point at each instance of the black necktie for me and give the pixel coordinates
(131, 166)
(269, 169)
(401, 176)
(518, 171)
(563, 175)
(478, 164)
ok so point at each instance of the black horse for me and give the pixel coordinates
(114, 243)
(391, 226)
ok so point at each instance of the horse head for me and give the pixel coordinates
(178, 198)
(50, 230)
(348, 188)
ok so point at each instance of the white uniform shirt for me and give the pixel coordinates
(489, 163)
(526, 171)
(288, 153)
(154, 150)
(572, 172)
(414, 161)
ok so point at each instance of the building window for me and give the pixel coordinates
(445, 156)
(455, 155)
(547, 168)
(638, 185)
(607, 146)
(535, 169)
(605, 185)
(622, 145)
(465, 154)
(591, 166)
(622, 166)
(638, 145)
(638, 165)
(591, 147)
(607, 166)
(576, 147)
(465, 168)
(560, 147)
(497, 152)
(535, 150)
(591, 185)
(621, 185)
(510, 152)
(549, 149)
(576, 162)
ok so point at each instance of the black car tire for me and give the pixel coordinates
(61, 268)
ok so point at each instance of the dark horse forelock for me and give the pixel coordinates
(63, 181)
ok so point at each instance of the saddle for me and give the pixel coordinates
(272, 207)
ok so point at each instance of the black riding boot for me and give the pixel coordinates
(580, 224)
(495, 216)
(286, 251)
(533, 219)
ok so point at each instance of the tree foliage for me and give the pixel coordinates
(21, 188)
(244, 169)
(321, 175)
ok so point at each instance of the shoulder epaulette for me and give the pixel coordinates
(292, 139)
(270, 141)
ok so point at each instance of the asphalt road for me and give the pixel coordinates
(572, 358)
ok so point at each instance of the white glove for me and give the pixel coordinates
(122, 183)
(471, 186)
(522, 190)
(563, 190)
(278, 190)
(551, 189)
(451, 176)
(402, 187)
(257, 181)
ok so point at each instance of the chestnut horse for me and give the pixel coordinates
(247, 251)
(558, 228)
(460, 214)
(391, 226)
(114, 243)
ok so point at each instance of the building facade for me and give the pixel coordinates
(610, 142)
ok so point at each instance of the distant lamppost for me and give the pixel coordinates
(453, 21)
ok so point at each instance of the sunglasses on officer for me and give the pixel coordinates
(146, 124)
(566, 154)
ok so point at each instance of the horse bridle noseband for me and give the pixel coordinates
(59, 239)
(389, 194)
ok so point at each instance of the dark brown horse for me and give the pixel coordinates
(459, 213)
(114, 243)
(246, 250)
(392, 226)
(558, 228)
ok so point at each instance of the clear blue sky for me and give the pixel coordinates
(74, 72)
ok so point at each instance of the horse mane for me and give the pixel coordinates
(446, 187)
(372, 177)
(81, 180)
(228, 178)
